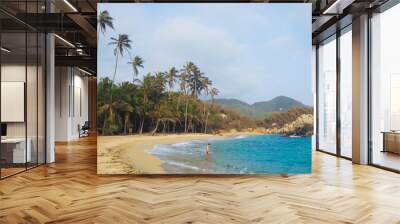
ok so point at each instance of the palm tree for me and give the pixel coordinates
(213, 92)
(102, 111)
(127, 98)
(122, 43)
(103, 94)
(136, 63)
(146, 85)
(195, 85)
(104, 20)
(125, 109)
(205, 86)
(184, 78)
(195, 80)
(158, 84)
(171, 77)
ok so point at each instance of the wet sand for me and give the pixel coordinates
(130, 154)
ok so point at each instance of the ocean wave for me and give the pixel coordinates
(240, 137)
(183, 165)
(188, 143)
(182, 144)
(178, 148)
(161, 150)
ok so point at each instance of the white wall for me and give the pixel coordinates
(71, 103)
(17, 73)
(12, 73)
(33, 126)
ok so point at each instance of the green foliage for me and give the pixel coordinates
(260, 110)
(153, 105)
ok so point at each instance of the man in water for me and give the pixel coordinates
(208, 149)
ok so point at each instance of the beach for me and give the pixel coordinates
(130, 154)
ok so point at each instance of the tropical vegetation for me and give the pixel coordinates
(167, 102)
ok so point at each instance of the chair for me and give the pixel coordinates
(84, 130)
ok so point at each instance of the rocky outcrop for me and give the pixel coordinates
(302, 126)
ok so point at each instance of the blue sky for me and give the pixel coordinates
(251, 52)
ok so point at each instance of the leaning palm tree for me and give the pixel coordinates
(136, 62)
(104, 20)
(122, 44)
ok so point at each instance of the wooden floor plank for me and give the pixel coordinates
(70, 191)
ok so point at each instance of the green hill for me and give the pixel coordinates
(259, 110)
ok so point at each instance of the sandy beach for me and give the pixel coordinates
(130, 154)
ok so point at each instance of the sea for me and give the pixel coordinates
(254, 154)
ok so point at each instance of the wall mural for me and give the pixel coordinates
(204, 88)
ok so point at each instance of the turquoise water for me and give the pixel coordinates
(272, 154)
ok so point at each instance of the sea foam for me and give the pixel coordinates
(182, 165)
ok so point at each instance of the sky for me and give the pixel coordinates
(252, 52)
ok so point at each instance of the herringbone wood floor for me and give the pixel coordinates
(69, 191)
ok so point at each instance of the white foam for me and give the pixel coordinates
(161, 150)
(179, 148)
(182, 144)
(182, 165)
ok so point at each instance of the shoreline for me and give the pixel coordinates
(130, 154)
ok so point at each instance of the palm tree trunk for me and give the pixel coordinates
(110, 120)
(186, 112)
(204, 114)
(104, 123)
(112, 83)
(115, 68)
(164, 127)
(141, 125)
(126, 123)
(205, 126)
(193, 126)
(155, 129)
(195, 89)
(178, 102)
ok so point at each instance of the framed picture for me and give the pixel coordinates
(204, 89)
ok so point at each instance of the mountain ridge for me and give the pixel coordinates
(259, 110)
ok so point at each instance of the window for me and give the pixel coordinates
(385, 89)
(327, 96)
(346, 93)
